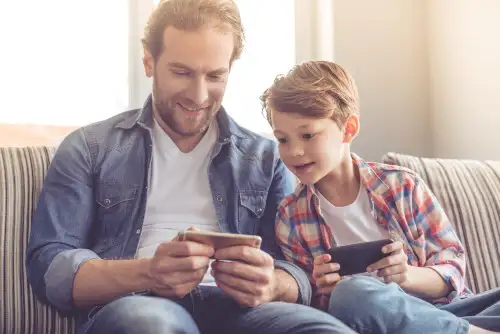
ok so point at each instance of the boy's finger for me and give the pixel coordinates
(391, 248)
(324, 258)
(326, 268)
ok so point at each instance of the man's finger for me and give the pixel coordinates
(242, 298)
(184, 249)
(235, 283)
(182, 277)
(192, 263)
(247, 254)
(241, 270)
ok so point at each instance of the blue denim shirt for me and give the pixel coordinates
(93, 200)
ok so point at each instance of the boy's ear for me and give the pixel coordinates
(351, 128)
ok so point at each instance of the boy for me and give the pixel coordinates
(341, 199)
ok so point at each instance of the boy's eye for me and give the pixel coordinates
(308, 136)
(281, 140)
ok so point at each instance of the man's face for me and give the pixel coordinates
(189, 78)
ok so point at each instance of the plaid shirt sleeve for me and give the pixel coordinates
(286, 235)
(293, 249)
(444, 252)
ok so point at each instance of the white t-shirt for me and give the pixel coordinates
(353, 223)
(179, 194)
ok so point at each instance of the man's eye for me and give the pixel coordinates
(308, 136)
(181, 73)
(281, 140)
(216, 77)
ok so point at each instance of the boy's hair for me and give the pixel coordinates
(190, 15)
(319, 89)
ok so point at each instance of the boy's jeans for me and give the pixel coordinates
(370, 306)
(207, 310)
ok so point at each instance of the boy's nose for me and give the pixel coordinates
(297, 151)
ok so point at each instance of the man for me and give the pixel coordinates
(118, 191)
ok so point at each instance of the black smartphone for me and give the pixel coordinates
(353, 259)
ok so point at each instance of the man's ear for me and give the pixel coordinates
(351, 128)
(149, 63)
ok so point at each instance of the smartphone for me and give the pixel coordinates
(221, 240)
(354, 259)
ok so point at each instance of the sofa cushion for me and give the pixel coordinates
(469, 192)
(22, 171)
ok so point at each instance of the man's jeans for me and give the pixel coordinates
(370, 306)
(207, 310)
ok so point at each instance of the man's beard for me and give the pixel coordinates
(166, 110)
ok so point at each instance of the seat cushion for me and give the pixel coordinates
(469, 192)
(22, 171)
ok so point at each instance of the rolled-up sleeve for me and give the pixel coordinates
(61, 223)
(444, 252)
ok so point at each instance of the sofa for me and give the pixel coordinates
(468, 190)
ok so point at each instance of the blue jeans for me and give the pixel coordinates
(207, 310)
(370, 306)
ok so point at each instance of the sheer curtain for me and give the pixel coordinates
(63, 62)
(70, 63)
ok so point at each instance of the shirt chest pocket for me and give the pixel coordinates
(114, 208)
(252, 204)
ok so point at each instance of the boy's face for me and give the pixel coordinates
(310, 147)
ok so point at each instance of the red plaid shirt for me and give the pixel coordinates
(401, 203)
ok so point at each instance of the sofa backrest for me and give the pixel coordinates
(469, 192)
(22, 171)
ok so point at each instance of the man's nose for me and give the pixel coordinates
(198, 91)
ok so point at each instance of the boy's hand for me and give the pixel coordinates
(393, 268)
(324, 273)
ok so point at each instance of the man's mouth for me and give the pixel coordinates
(192, 109)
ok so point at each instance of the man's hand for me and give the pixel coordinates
(178, 267)
(324, 273)
(393, 268)
(249, 278)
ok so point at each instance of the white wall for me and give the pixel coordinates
(383, 44)
(464, 54)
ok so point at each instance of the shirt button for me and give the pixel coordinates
(138, 231)
(226, 140)
(218, 198)
(107, 201)
(259, 210)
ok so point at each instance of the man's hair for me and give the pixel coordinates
(191, 15)
(319, 89)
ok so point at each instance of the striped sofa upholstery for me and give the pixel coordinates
(22, 171)
(469, 192)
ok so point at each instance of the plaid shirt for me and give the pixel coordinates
(401, 203)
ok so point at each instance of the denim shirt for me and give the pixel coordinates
(93, 200)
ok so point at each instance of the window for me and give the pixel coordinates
(67, 63)
(269, 51)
